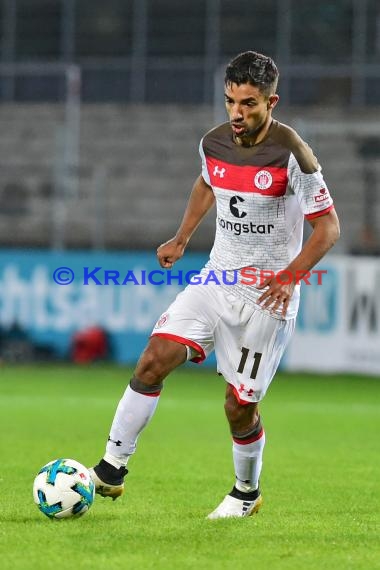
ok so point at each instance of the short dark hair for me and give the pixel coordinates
(255, 68)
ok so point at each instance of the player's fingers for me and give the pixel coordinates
(268, 293)
(264, 283)
(276, 305)
(265, 294)
(279, 297)
(285, 306)
(164, 261)
(271, 300)
(167, 264)
(262, 297)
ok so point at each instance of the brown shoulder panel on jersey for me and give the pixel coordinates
(287, 137)
(219, 144)
(219, 139)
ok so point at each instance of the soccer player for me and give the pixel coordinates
(264, 180)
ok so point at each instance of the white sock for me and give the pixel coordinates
(132, 415)
(248, 461)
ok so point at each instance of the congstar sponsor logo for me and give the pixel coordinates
(238, 228)
(237, 209)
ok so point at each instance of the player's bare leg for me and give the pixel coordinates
(248, 445)
(134, 412)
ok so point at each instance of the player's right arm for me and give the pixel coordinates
(200, 202)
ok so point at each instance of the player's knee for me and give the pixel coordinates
(150, 366)
(234, 411)
(240, 416)
(158, 359)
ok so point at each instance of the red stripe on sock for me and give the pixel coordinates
(250, 439)
(152, 395)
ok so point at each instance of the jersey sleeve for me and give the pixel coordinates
(310, 189)
(205, 174)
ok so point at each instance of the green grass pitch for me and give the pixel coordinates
(320, 483)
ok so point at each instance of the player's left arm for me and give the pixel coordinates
(324, 235)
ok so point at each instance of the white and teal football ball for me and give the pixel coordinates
(63, 488)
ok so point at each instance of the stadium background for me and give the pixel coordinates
(102, 109)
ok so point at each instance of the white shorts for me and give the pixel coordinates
(248, 341)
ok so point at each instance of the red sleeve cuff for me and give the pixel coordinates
(320, 213)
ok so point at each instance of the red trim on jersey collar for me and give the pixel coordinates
(320, 213)
(187, 342)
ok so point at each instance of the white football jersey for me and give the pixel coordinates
(263, 193)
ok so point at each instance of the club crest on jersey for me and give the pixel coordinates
(162, 320)
(263, 180)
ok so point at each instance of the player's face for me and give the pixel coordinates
(249, 110)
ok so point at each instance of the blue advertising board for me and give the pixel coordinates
(52, 295)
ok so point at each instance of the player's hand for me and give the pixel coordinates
(278, 294)
(169, 252)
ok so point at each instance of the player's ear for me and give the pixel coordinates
(272, 101)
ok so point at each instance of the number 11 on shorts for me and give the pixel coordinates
(256, 362)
